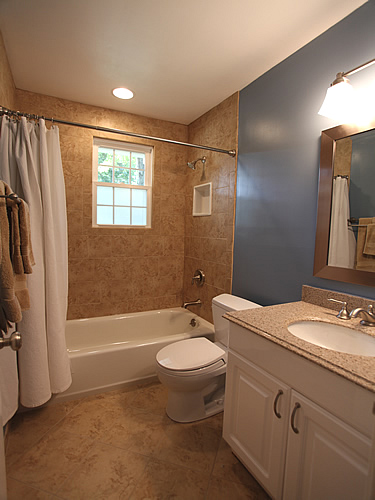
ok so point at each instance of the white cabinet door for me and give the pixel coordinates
(256, 421)
(326, 458)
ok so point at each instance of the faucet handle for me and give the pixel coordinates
(199, 277)
(343, 314)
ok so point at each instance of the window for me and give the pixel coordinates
(122, 184)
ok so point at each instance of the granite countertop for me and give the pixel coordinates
(271, 322)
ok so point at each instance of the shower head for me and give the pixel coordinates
(191, 164)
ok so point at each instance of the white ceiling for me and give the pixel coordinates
(180, 57)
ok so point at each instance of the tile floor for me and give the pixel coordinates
(121, 445)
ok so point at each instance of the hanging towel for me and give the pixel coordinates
(369, 247)
(364, 262)
(9, 305)
(22, 254)
(19, 219)
(16, 257)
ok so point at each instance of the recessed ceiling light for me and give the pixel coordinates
(122, 93)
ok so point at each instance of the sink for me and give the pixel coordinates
(335, 337)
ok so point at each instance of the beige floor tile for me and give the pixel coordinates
(164, 481)
(135, 430)
(121, 444)
(220, 489)
(17, 491)
(28, 427)
(216, 421)
(106, 473)
(47, 464)
(227, 466)
(96, 414)
(152, 398)
(189, 445)
(121, 398)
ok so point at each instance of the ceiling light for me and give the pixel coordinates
(341, 102)
(122, 93)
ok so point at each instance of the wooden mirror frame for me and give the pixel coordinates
(327, 154)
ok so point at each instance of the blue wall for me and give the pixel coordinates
(278, 163)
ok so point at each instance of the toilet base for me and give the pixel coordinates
(187, 407)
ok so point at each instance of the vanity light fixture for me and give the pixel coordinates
(122, 93)
(341, 102)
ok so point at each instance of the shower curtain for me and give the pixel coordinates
(30, 162)
(342, 242)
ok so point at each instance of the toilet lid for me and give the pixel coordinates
(189, 354)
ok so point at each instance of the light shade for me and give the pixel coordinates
(340, 102)
(122, 93)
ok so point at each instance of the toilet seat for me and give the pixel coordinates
(191, 355)
(219, 367)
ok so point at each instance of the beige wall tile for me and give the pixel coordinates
(7, 87)
(115, 256)
(146, 257)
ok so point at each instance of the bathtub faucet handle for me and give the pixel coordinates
(199, 277)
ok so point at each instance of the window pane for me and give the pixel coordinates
(138, 160)
(139, 216)
(122, 196)
(105, 174)
(122, 158)
(139, 198)
(138, 177)
(122, 216)
(104, 215)
(122, 175)
(104, 195)
(105, 156)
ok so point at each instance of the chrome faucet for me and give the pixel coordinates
(192, 303)
(368, 316)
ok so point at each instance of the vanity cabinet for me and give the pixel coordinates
(301, 430)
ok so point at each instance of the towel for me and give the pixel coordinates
(364, 262)
(9, 305)
(25, 237)
(16, 256)
(369, 247)
(21, 254)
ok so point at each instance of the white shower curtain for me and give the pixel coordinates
(342, 242)
(30, 162)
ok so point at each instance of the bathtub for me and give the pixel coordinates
(110, 352)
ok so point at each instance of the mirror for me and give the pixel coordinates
(340, 156)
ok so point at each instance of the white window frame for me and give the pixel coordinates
(125, 146)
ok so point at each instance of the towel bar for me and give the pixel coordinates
(12, 196)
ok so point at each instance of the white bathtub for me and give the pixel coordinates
(109, 352)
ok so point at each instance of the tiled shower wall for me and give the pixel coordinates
(7, 88)
(119, 270)
(209, 239)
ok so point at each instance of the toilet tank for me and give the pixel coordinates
(226, 303)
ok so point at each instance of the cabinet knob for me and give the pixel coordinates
(293, 416)
(278, 395)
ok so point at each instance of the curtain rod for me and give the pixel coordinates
(9, 112)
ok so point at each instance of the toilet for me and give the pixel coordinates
(194, 370)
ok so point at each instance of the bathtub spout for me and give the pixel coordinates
(192, 303)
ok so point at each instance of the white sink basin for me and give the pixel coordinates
(335, 337)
